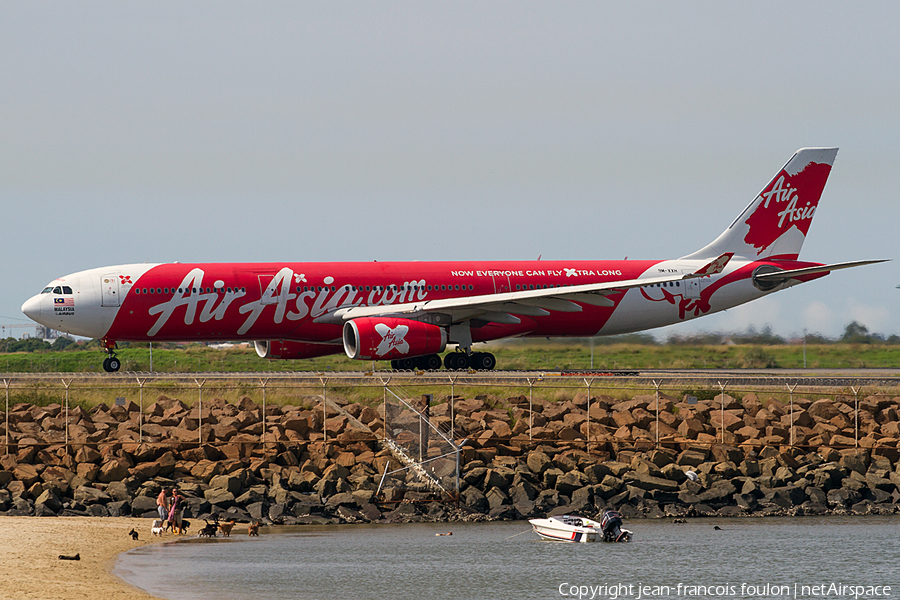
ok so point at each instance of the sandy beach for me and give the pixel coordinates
(30, 547)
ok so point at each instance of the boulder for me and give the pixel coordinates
(112, 470)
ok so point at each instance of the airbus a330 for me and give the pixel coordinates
(410, 312)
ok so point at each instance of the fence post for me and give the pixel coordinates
(200, 383)
(6, 383)
(67, 410)
(324, 408)
(531, 381)
(587, 437)
(141, 415)
(657, 384)
(263, 382)
(384, 384)
(722, 389)
(453, 379)
(855, 416)
(791, 389)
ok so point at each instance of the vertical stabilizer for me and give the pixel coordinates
(776, 222)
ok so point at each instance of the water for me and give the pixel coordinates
(489, 560)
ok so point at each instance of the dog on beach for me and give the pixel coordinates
(184, 525)
(226, 528)
(158, 528)
(133, 534)
(209, 530)
(253, 529)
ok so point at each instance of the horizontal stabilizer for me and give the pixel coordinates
(714, 267)
(813, 270)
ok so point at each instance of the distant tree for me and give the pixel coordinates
(63, 343)
(818, 338)
(764, 338)
(857, 333)
(695, 339)
(24, 345)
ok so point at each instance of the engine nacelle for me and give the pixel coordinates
(384, 338)
(286, 350)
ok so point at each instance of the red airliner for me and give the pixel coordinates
(409, 312)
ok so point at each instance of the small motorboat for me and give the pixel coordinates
(572, 528)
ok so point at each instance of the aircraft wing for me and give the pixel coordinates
(776, 275)
(501, 308)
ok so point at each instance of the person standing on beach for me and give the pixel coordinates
(175, 512)
(162, 505)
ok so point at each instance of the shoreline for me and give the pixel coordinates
(31, 547)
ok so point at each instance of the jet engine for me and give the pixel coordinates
(285, 349)
(384, 338)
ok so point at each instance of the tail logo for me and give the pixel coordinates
(781, 193)
(790, 202)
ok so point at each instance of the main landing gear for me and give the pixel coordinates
(111, 363)
(453, 361)
(460, 361)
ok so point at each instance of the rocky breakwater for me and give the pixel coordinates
(713, 458)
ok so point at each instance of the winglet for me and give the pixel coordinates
(714, 267)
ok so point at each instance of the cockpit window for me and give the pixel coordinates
(60, 289)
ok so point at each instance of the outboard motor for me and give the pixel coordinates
(611, 524)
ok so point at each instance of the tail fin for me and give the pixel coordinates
(776, 222)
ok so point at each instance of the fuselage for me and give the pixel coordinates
(295, 301)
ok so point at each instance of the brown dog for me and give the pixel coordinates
(253, 529)
(226, 528)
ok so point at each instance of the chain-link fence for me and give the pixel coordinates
(487, 410)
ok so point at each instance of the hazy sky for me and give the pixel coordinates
(221, 131)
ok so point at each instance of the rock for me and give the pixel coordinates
(823, 410)
(538, 462)
(550, 477)
(121, 508)
(27, 474)
(691, 458)
(343, 499)
(219, 497)
(474, 498)
(523, 492)
(650, 483)
(496, 497)
(88, 495)
(143, 504)
(855, 461)
(49, 501)
(230, 483)
(112, 470)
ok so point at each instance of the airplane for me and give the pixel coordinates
(410, 312)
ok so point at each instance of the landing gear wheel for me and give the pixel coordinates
(395, 365)
(430, 362)
(456, 361)
(483, 361)
(406, 364)
(111, 364)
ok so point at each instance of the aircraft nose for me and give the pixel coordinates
(32, 308)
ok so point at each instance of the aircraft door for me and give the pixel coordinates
(693, 286)
(264, 281)
(109, 287)
(501, 283)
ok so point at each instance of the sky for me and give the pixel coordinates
(288, 131)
